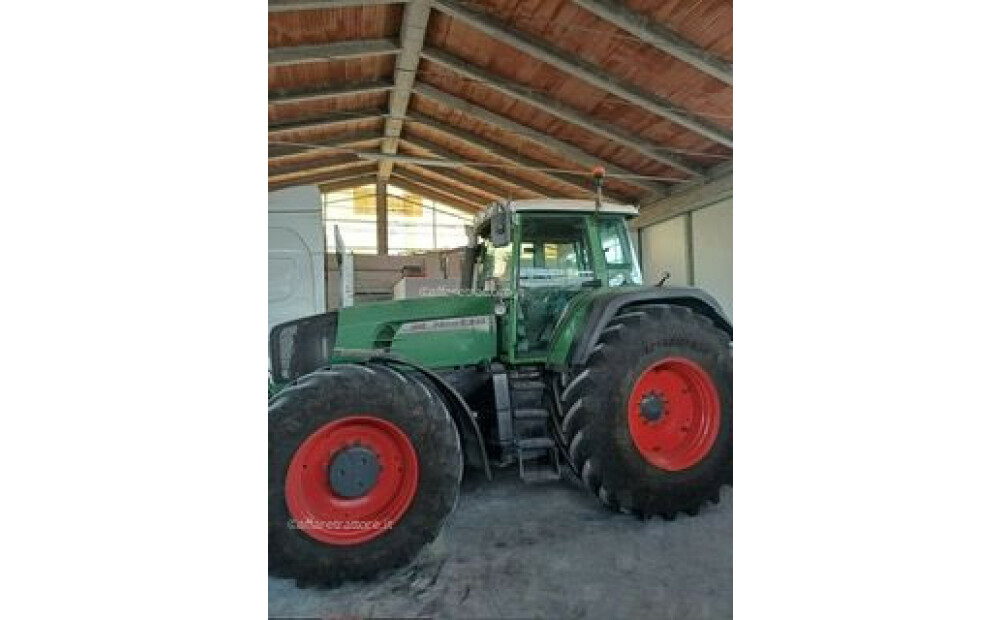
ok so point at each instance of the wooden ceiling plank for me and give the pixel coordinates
(560, 111)
(584, 185)
(660, 37)
(565, 149)
(283, 6)
(592, 74)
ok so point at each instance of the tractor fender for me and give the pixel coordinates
(473, 445)
(604, 308)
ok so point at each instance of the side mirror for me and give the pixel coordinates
(500, 227)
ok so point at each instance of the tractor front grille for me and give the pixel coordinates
(301, 346)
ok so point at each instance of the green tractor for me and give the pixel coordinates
(553, 358)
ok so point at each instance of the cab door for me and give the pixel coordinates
(554, 262)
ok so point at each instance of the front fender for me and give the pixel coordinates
(473, 445)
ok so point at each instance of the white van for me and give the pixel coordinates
(296, 248)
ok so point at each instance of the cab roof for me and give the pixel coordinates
(576, 206)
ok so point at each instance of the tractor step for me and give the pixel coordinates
(535, 443)
(530, 414)
(538, 460)
(534, 474)
(527, 384)
(527, 393)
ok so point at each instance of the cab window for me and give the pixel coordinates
(496, 269)
(622, 265)
(553, 252)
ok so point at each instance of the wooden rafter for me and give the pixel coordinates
(591, 74)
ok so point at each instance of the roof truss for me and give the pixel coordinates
(560, 111)
(584, 71)
(565, 149)
(412, 32)
(660, 37)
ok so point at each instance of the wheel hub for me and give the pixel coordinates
(674, 414)
(652, 407)
(351, 480)
(354, 472)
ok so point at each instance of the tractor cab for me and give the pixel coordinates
(535, 256)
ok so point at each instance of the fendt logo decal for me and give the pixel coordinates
(465, 323)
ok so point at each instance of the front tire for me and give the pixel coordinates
(365, 464)
(647, 421)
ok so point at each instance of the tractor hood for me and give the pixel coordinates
(453, 330)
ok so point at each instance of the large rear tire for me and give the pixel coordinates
(365, 465)
(647, 421)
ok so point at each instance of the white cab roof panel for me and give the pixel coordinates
(566, 204)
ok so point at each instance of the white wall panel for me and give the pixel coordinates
(664, 248)
(712, 248)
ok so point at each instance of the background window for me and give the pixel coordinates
(415, 224)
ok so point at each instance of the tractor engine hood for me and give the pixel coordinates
(437, 332)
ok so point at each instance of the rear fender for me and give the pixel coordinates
(602, 308)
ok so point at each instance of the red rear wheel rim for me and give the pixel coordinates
(320, 512)
(674, 414)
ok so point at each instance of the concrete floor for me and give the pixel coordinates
(548, 550)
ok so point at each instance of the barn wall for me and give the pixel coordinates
(696, 248)
(712, 249)
(664, 248)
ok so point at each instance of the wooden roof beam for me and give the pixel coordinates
(337, 176)
(560, 111)
(295, 150)
(340, 50)
(454, 183)
(322, 123)
(334, 164)
(565, 149)
(660, 37)
(361, 88)
(411, 36)
(283, 6)
(468, 173)
(423, 177)
(340, 161)
(429, 192)
(582, 183)
(493, 173)
(587, 72)
(349, 182)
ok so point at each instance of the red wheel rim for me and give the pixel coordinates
(674, 414)
(320, 512)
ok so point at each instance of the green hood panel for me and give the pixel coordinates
(438, 332)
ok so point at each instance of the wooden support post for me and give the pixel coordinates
(381, 218)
